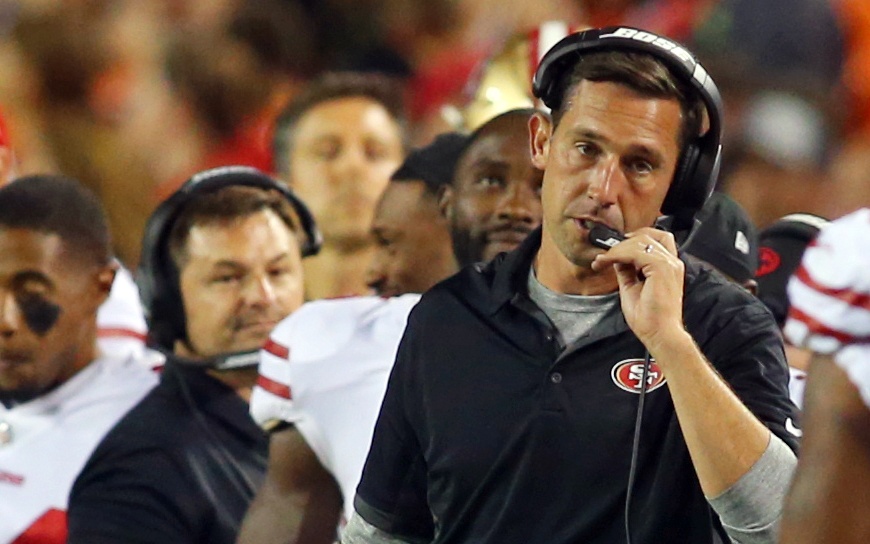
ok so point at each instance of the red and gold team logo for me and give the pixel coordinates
(768, 261)
(628, 374)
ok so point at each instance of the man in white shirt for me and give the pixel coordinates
(58, 394)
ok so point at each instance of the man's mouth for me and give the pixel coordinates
(257, 326)
(507, 236)
(9, 360)
(587, 223)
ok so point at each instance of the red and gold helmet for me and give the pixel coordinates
(504, 81)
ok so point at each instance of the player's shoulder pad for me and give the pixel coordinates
(320, 327)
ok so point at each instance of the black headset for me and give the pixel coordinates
(157, 275)
(700, 159)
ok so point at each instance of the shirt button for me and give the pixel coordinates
(549, 337)
(555, 377)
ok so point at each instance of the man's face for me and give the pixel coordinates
(494, 200)
(48, 307)
(610, 160)
(239, 278)
(412, 243)
(342, 155)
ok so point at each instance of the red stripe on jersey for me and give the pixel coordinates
(277, 389)
(850, 297)
(817, 327)
(276, 349)
(50, 528)
(111, 332)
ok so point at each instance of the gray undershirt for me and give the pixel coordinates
(573, 315)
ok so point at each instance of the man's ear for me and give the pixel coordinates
(445, 201)
(540, 132)
(105, 279)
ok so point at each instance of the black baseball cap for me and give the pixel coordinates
(726, 238)
(433, 163)
(782, 245)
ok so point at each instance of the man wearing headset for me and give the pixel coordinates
(221, 266)
(512, 406)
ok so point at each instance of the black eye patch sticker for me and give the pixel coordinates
(39, 313)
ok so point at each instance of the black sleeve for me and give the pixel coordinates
(747, 350)
(392, 491)
(132, 497)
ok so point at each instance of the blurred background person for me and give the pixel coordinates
(494, 200)
(336, 145)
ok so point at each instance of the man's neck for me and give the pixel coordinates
(560, 275)
(240, 380)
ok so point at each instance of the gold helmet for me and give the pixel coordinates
(504, 81)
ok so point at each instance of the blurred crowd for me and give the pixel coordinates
(133, 96)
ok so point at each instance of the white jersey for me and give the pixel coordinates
(121, 326)
(325, 370)
(797, 384)
(830, 297)
(44, 444)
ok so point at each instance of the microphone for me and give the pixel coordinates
(605, 237)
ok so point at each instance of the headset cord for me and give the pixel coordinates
(635, 445)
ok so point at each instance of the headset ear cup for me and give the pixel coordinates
(678, 198)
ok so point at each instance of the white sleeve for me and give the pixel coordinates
(272, 397)
(830, 297)
(121, 327)
(830, 291)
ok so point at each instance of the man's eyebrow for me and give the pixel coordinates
(489, 162)
(648, 152)
(26, 276)
(236, 265)
(634, 149)
(588, 134)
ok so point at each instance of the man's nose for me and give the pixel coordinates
(350, 162)
(376, 273)
(10, 314)
(519, 202)
(608, 179)
(260, 290)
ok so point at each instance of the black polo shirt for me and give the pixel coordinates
(181, 467)
(494, 432)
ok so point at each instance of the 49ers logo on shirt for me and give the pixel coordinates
(628, 374)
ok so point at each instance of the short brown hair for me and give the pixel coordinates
(384, 90)
(223, 205)
(641, 72)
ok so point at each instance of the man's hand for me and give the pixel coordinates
(653, 305)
